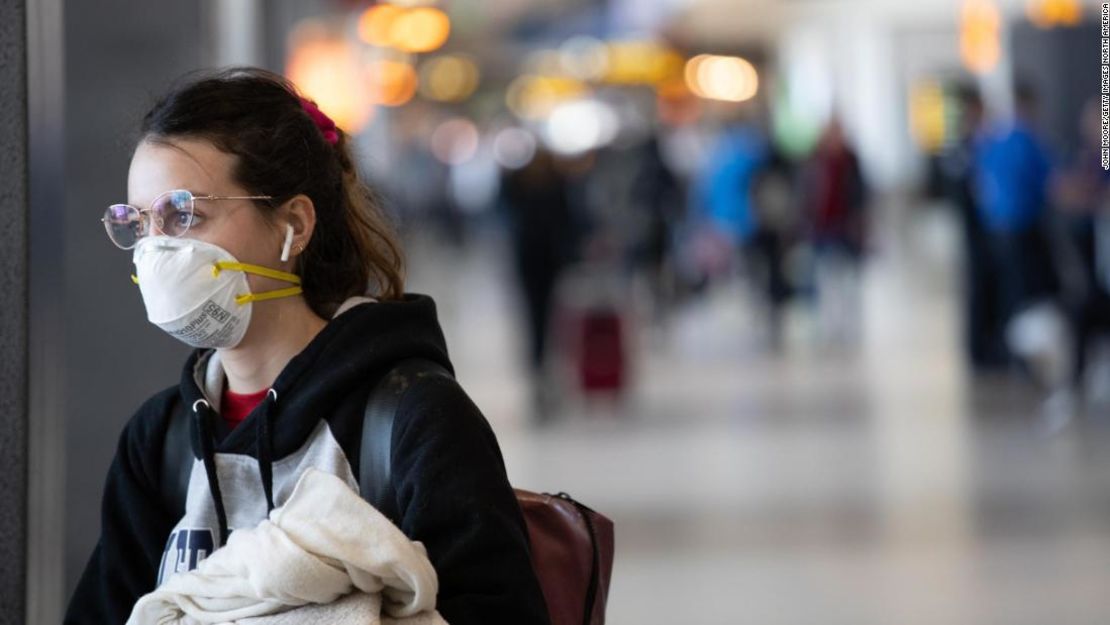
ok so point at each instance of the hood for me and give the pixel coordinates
(364, 340)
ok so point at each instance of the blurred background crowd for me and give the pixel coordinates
(634, 156)
(809, 296)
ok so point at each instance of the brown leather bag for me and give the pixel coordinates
(572, 553)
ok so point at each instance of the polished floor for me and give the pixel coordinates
(816, 485)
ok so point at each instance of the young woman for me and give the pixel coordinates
(255, 242)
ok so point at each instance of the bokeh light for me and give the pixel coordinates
(726, 78)
(534, 97)
(514, 147)
(410, 29)
(1050, 13)
(455, 141)
(641, 62)
(392, 82)
(927, 116)
(448, 78)
(324, 67)
(980, 49)
(579, 126)
(375, 25)
(423, 29)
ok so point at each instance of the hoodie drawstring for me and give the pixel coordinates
(264, 448)
(203, 414)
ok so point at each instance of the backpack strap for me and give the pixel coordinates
(595, 559)
(376, 450)
(177, 456)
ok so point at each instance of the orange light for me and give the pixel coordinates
(979, 43)
(726, 78)
(392, 83)
(641, 62)
(422, 29)
(534, 97)
(1050, 13)
(927, 121)
(375, 25)
(691, 74)
(325, 69)
(448, 78)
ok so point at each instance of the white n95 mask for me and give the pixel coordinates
(198, 292)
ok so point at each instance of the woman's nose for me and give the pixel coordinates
(154, 225)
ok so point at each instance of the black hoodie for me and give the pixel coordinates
(448, 476)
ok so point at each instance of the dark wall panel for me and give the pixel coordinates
(120, 54)
(13, 314)
(1062, 65)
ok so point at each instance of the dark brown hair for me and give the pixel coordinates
(257, 116)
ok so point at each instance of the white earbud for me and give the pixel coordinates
(288, 242)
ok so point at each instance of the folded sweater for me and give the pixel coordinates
(324, 556)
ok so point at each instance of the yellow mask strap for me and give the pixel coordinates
(221, 265)
(256, 269)
(261, 297)
(261, 271)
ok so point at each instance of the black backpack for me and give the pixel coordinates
(572, 545)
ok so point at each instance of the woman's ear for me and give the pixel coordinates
(299, 213)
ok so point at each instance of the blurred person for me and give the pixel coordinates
(658, 197)
(774, 203)
(723, 224)
(1081, 192)
(723, 188)
(412, 180)
(835, 201)
(983, 331)
(544, 236)
(701, 251)
(256, 243)
(1011, 188)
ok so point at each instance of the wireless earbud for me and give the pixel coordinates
(288, 242)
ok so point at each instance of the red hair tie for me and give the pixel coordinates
(322, 121)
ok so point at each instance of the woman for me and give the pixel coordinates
(256, 243)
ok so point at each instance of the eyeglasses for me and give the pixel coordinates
(171, 212)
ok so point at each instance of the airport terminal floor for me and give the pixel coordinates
(816, 485)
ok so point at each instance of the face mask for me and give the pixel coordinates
(198, 292)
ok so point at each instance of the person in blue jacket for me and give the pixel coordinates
(1012, 175)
